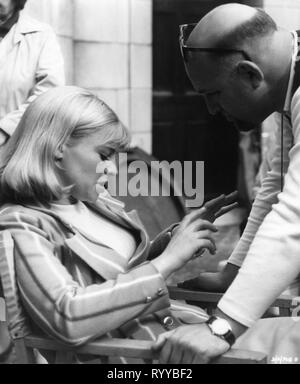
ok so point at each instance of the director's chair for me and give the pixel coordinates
(24, 343)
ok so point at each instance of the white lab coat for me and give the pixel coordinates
(30, 63)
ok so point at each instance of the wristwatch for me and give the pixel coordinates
(221, 328)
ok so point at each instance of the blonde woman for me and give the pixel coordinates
(81, 262)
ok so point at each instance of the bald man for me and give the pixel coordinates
(247, 68)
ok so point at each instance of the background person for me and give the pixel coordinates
(30, 63)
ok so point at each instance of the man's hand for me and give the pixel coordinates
(189, 344)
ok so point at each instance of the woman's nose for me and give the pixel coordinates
(110, 168)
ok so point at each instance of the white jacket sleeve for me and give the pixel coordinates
(49, 74)
(273, 260)
(268, 193)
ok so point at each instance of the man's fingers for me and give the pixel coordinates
(165, 353)
(226, 209)
(177, 353)
(188, 357)
(162, 338)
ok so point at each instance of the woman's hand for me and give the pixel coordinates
(191, 238)
(219, 206)
(194, 235)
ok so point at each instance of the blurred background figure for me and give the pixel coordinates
(30, 63)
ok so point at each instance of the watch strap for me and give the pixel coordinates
(228, 336)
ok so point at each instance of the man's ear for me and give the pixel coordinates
(250, 72)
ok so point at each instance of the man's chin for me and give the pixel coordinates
(244, 126)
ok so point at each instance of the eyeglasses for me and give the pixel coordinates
(185, 32)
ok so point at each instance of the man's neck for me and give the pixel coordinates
(285, 50)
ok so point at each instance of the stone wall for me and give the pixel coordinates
(107, 45)
(286, 13)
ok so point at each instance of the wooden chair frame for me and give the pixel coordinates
(105, 347)
(24, 343)
(209, 300)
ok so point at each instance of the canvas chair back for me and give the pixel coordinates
(13, 312)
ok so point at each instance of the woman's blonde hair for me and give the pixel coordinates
(27, 162)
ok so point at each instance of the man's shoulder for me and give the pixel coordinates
(28, 24)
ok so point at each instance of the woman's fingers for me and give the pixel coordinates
(221, 201)
(218, 201)
(220, 206)
(194, 215)
(212, 207)
(206, 234)
(202, 225)
(231, 197)
(207, 244)
(226, 209)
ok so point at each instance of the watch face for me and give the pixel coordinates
(220, 327)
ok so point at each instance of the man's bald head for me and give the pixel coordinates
(245, 73)
(231, 26)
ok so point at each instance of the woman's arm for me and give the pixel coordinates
(67, 310)
(161, 241)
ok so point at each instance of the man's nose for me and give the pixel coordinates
(212, 104)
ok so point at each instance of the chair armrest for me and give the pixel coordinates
(239, 356)
(136, 349)
(284, 302)
(186, 294)
(101, 347)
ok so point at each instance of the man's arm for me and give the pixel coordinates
(49, 74)
(266, 197)
(273, 260)
(268, 193)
